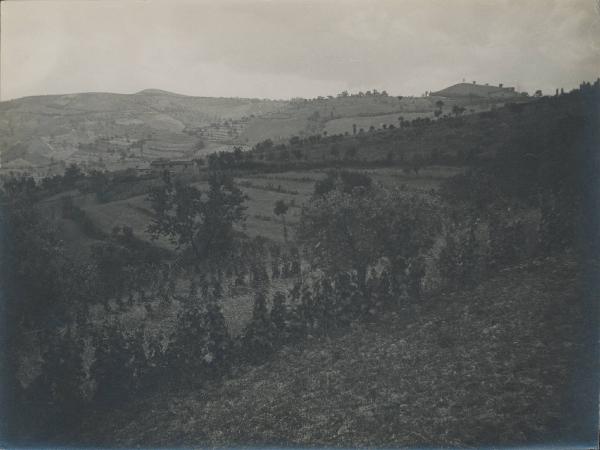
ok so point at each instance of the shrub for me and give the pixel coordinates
(61, 378)
(459, 262)
(200, 346)
(111, 371)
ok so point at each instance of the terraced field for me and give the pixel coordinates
(263, 190)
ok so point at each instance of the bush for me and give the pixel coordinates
(561, 222)
(58, 388)
(111, 370)
(507, 241)
(460, 263)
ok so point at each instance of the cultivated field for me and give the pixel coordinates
(263, 190)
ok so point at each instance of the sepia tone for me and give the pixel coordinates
(251, 223)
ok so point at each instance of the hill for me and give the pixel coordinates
(493, 364)
(502, 197)
(75, 128)
(462, 90)
(66, 122)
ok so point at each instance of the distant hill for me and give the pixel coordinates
(462, 90)
(156, 92)
(107, 130)
(63, 123)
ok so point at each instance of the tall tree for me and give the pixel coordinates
(351, 232)
(200, 224)
(281, 209)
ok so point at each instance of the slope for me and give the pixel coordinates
(502, 363)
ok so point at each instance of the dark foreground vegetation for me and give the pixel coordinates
(462, 316)
(499, 363)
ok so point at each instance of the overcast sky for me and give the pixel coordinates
(290, 48)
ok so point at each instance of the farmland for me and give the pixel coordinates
(263, 190)
(111, 131)
(432, 270)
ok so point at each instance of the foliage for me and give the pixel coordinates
(121, 367)
(345, 181)
(200, 346)
(124, 264)
(345, 232)
(258, 339)
(281, 209)
(460, 262)
(78, 215)
(57, 391)
(359, 388)
(198, 222)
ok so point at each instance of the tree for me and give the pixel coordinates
(349, 232)
(350, 152)
(238, 153)
(42, 294)
(416, 163)
(281, 209)
(335, 151)
(345, 181)
(297, 153)
(109, 368)
(439, 104)
(258, 339)
(62, 376)
(98, 183)
(458, 110)
(278, 312)
(72, 174)
(198, 223)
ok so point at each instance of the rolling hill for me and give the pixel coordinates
(107, 130)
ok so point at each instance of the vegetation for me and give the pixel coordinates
(404, 310)
(198, 223)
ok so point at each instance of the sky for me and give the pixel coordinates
(294, 48)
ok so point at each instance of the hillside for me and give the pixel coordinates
(494, 364)
(458, 139)
(105, 130)
(444, 147)
(435, 295)
(462, 90)
(66, 122)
